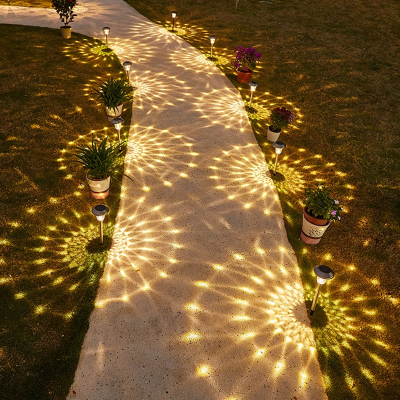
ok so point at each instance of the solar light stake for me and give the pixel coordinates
(253, 87)
(212, 40)
(100, 211)
(237, 1)
(117, 125)
(324, 274)
(279, 146)
(106, 31)
(127, 67)
(173, 20)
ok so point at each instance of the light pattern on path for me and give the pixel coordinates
(201, 296)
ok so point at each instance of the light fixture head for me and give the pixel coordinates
(279, 146)
(127, 65)
(212, 39)
(253, 86)
(323, 273)
(100, 211)
(106, 30)
(117, 122)
(173, 14)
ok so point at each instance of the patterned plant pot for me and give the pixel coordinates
(99, 188)
(114, 112)
(313, 228)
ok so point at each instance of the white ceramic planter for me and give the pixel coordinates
(114, 112)
(311, 233)
(66, 32)
(99, 188)
(273, 136)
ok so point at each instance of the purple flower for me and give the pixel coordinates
(333, 212)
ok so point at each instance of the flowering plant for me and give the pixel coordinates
(246, 58)
(281, 118)
(64, 9)
(320, 204)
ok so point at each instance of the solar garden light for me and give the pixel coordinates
(127, 67)
(106, 31)
(324, 274)
(279, 146)
(117, 125)
(100, 211)
(212, 40)
(253, 87)
(173, 20)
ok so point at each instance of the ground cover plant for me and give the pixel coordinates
(50, 260)
(335, 64)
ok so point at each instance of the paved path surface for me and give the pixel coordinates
(201, 296)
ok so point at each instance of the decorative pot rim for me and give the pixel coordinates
(315, 220)
(244, 70)
(97, 179)
(273, 130)
(65, 27)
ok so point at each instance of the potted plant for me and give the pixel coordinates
(99, 162)
(113, 93)
(280, 118)
(64, 9)
(245, 63)
(320, 209)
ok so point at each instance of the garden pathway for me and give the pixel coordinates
(201, 297)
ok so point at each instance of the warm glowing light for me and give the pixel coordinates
(192, 307)
(202, 284)
(203, 371)
(218, 267)
(279, 366)
(191, 336)
(241, 318)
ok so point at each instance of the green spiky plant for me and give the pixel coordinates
(112, 93)
(99, 161)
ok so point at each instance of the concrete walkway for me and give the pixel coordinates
(201, 296)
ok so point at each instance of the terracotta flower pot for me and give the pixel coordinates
(313, 228)
(99, 188)
(66, 32)
(244, 76)
(273, 135)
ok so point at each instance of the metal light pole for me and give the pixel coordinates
(100, 211)
(253, 87)
(117, 125)
(106, 31)
(279, 146)
(212, 40)
(174, 14)
(127, 67)
(324, 274)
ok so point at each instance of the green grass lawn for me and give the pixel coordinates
(336, 65)
(50, 259)
(26, 3)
